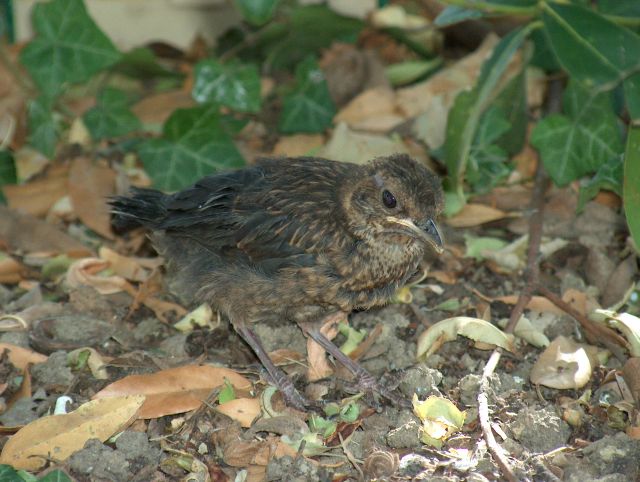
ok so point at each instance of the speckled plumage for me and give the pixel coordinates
(294, 238)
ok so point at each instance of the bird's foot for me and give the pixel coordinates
(373, 389)
(292, 397)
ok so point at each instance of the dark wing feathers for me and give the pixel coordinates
(262, 214)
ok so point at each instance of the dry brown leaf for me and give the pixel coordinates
(129, 267)
(90, 185)
(443, 277)
(298, 145)
(537, 303)
(374, 110)
(38, 196)
(11, 271)
(241, 453)
(58, 436)
(243, 410)
(316, 355)
(20, 357)
(285, 356)
(84, 272)
(157, 108)
(24, 232)
(475, 215)
(174, 390)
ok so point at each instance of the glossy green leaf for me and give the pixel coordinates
(608, 176)
(111, 117)
(234, 85)
(68, 47)
(543, 55)
(43, 127)
(7, 170)
(622, 8)
(453, 14)
(309, 108)
(631, 188)
(512, 104)
(142, 63)
(55, 476)
(582, 139)
(632, 96)
(591, 48)
(257, 12)
(469, 106)
(193, 145)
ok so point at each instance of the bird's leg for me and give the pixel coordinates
(364, 379)
(278, 377)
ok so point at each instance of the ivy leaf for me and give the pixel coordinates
(257, 12)
(593, 49)
(631, 188)
(194, 144)
(632, 95)
(43, 127)
(309, 108)
(234, 85)
(608, 177)
(581, 140)
(453, 14)
(8, 173)
(111, 117)
(69, 46)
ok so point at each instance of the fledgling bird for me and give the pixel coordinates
(298, 239)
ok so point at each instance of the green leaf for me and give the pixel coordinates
(580, 141)
(193, 145)
(142, 63)
(591, 48)
(309, 108)
(234, 85)
(257, 12)
(111, 117)
(310, 29)
(631, 189)
(55, 476)
(623, 8)
(227, 393)
(453, 14)
(487, 161)
(512, 104)
(543, 55)
(8, 173)
(406, 72)
(608, 176)
(68, 47)
(43, 127)
(469, 106)
(632, 96)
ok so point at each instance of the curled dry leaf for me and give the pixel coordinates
(565, 364)
(58, 436)
(298, 145)
(374, 110)
(627, 323)
(475, 328)
(11, 270)
(39, 195)
(174, 390)
(95, 361)
(440, 419)
(316, 356)
(20, 357)
(85, 272)
(131, 268)
(200, 317)
(243, 410)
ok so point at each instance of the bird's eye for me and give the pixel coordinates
(388, 199)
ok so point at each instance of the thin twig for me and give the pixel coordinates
(531, 280)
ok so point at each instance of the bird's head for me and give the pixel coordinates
(394, 198)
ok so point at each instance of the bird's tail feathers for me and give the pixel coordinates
(144, 207)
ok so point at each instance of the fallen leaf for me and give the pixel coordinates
(298, 145)
(20, 357)
(565, 364)
(475, 215)
(440, 419)
(90, 185)
(319, 367)
(243, 410)
(26, 233)
(448, 330)
(36, 197)
(174, 390)
(95, 361)
(373, 110)
(129, 267)
(85, 272)
(348, 146)
(58, 436)
(156, 109)
(11, 270)
(200, 317)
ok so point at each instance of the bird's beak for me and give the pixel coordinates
(428, 233)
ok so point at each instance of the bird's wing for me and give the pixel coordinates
(277, 213)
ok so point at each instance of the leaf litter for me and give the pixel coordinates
(149, 375)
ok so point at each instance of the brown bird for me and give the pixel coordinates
(298, 239)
